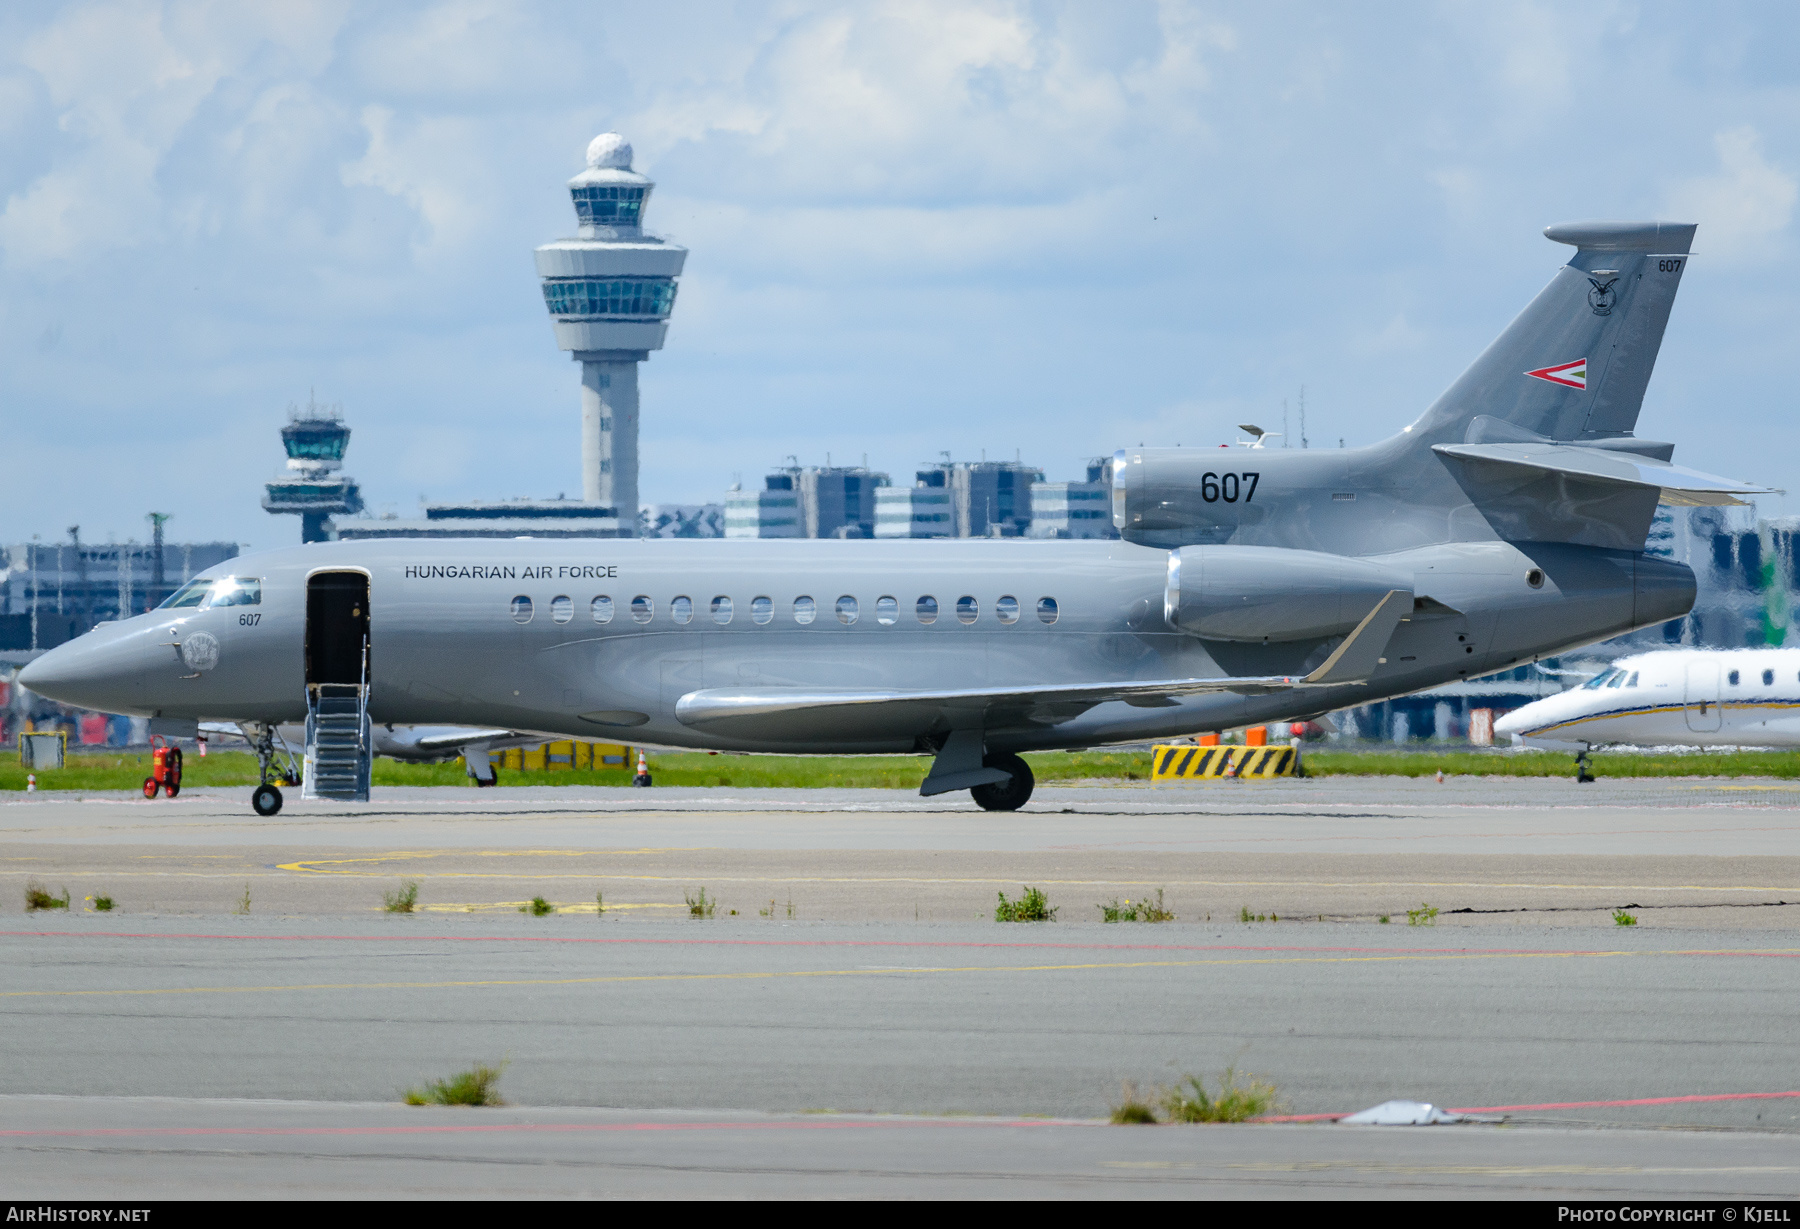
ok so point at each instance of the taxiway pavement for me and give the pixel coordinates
(862, 971)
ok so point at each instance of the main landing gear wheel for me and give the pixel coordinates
(266, 800)
(1006, 795)
(485, 782)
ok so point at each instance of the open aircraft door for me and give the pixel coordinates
(1702, 703)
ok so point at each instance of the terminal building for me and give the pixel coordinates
(53, 592)
(1075, 509)
(963, 499)
(807, 501)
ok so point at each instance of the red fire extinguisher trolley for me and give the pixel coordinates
(165, 768)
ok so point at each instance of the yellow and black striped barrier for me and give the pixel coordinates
(1179, 761)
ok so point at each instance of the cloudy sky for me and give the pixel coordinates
(1047, 228)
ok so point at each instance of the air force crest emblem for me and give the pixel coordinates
(1602, 297)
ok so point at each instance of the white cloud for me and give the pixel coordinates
(1744, 208)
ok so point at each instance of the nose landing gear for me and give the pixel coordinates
(1582, 775)
(265, 799)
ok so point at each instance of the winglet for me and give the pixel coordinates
(1355, 659)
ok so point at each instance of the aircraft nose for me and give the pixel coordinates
(95, 671)
(1515, 722)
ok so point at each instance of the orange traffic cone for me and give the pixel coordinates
(643, 771)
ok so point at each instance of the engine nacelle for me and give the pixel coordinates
(1258, 593)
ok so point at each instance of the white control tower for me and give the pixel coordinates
(610, 291)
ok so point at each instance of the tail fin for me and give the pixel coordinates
(1574, 364)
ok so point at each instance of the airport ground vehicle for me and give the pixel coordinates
(165, 768)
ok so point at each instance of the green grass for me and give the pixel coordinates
(1235, 1100)
(1136, 911)
(1622, 918)
(103, 904)
(232, 769)
(404, 900)
(1424, 915)
(1132, 1109)
(1500, 763)
(1033, 906)
(477, 1086)
(700, 905)
(37, 896)
(537, 906)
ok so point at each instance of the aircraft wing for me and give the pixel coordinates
(460, 736)
(755, 708)
(1679, 485)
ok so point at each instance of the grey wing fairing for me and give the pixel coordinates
(728, 710)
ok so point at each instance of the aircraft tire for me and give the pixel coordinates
(265, 800)
(1007, 795)
(485, 782)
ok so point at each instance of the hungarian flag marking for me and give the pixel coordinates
(1569, 375)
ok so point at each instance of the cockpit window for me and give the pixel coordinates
(237, 591)
(1618, 679)
(189, 595)
(1599, 681)
(216, 591)
(1632, 681)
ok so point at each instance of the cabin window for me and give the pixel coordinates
(762, 609)
(967, 609)
(521, 609)
(682, 609)
(805, 610)
(642, 608)
(1046, 610)
(1768, 678)
(846, 610)
(887, 611)
(721, 609)
(1732, 678)
(927, 609)
(1007, 608)
(562, 608)
(602, 608)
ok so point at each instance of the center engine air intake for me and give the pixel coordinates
(1258, 593)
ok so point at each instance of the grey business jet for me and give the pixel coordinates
(1506, 523)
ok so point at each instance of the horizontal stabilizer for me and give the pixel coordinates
(1676, 484)
(759, 709)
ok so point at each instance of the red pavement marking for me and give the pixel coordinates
(1562, 1105)
(1107, 947)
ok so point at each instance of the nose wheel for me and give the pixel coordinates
(265, 800)
(1582, 766)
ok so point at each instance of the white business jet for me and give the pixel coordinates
(1672, 697)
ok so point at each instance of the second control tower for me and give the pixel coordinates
(610, 291)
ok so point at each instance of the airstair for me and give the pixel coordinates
(339, 744)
